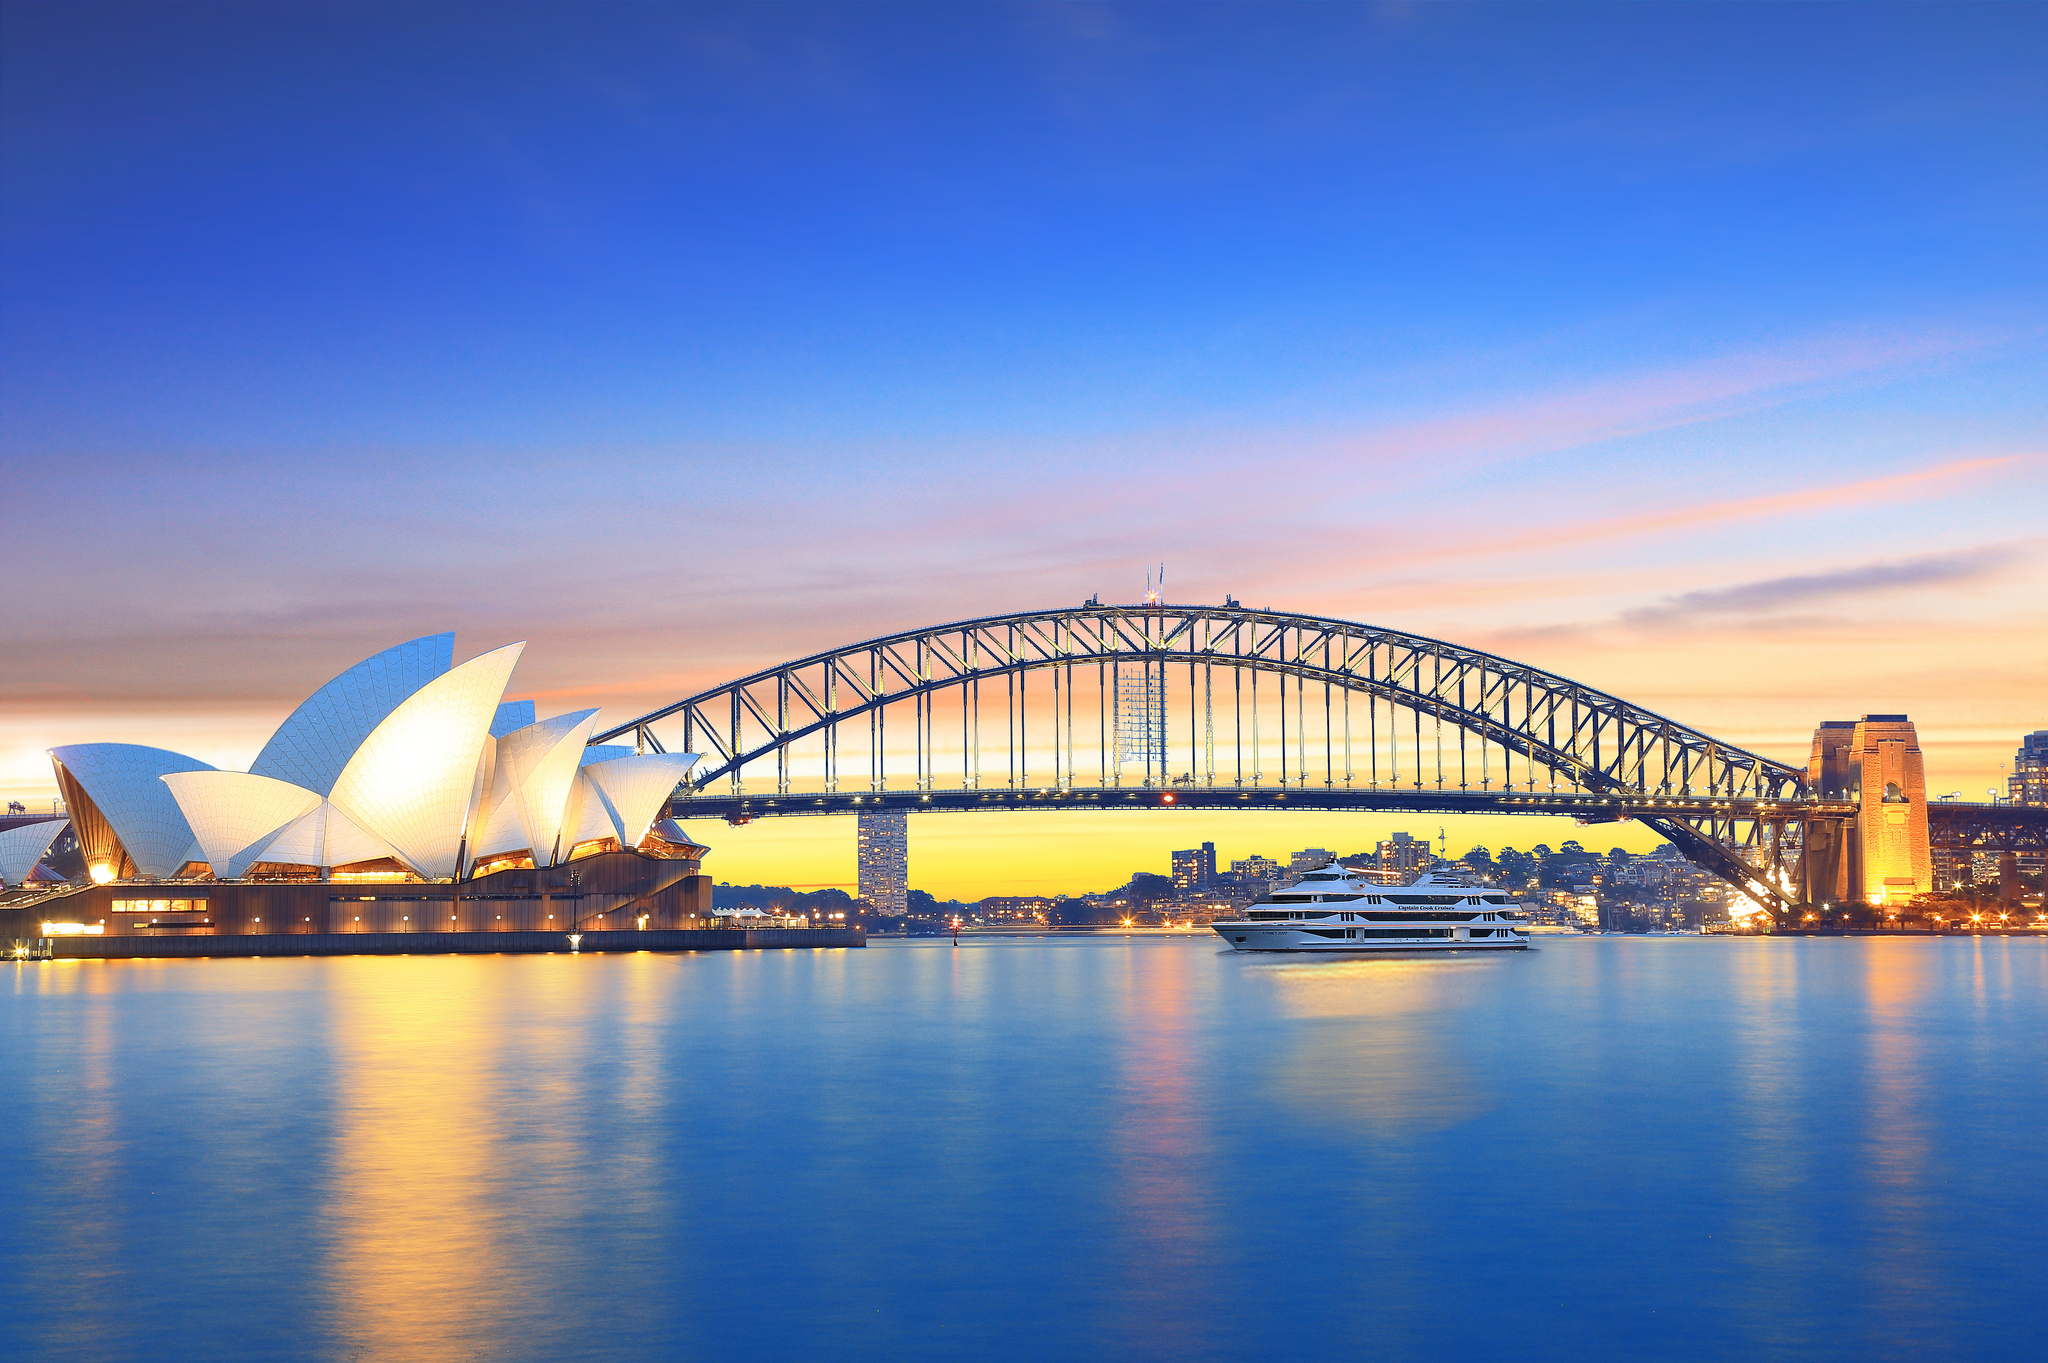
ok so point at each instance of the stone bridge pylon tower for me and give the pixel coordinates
(1881, 856)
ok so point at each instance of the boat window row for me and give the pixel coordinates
(1311, 915)
(1353, 934)
(1416, 900)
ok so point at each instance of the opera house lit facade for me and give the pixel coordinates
(405, 795)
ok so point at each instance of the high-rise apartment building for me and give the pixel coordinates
(1256, 868)
(1404, 855)
(2028, 784)
(882, 843)
(1308, 859)
(1194, 868)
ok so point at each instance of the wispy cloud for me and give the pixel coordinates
(1650, 400)
(1778, 594)
(1756, 508)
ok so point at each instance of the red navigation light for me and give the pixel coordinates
(1167, 799)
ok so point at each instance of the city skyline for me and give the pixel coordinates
(1701, 370)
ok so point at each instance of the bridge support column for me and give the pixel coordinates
(1892, 861)
(1823, 865)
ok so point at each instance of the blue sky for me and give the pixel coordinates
(517, 225)
(1693, 350)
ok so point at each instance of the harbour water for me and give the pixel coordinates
(1671, 1148)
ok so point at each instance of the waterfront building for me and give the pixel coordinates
(1195, 868)
(405, 770)
(2028, 784)
(1570, 906)
(882, 843)
(404, 767)
(1014, 908)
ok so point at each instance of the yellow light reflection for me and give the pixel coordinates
(1162, 1149)
(428, 1260)
(1397, 1075)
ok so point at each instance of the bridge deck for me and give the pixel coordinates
(1588, 808)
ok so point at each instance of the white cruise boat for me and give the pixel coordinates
(1339, 910)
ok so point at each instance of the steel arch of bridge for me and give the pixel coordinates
(1560, 730)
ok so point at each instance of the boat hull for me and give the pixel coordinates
(1265, 937)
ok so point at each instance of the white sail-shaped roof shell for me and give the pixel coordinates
(544, 795)
(498, 830)
(633, 789)
(412, 780)
(234, 813)
(587, 816)
(23, 846)
(314, 745)
(323, 836)
(533, 776)
(122, 779)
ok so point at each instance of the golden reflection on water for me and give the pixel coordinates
(91, 1138)
(1894, 986)
(1372, 988)
(1163, 1149)
(1766, 1157)
(437, 1058)
(1397, 1076)
(1898, 1148)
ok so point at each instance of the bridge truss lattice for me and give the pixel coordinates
(1211, 699)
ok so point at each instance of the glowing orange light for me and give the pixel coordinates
(1169, 799)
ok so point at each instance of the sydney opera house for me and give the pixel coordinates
(405, 795)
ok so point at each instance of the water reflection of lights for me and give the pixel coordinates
(1406, 1071)
(1161, 1146)
(1359, 988)
(427, 1260)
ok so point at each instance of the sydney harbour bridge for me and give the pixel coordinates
(1224, 707)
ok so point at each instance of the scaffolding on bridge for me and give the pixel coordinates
(1141, 720)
